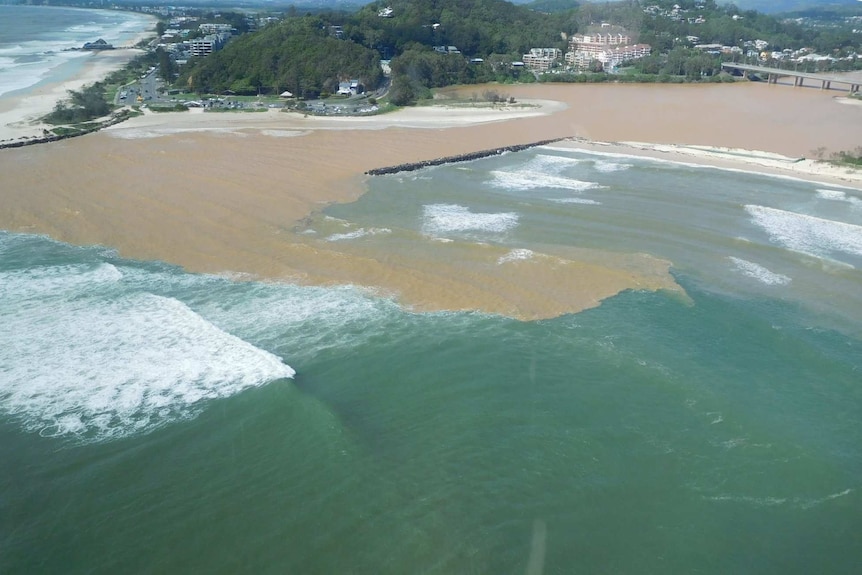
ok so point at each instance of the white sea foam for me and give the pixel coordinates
(516, 255)
(839, 197)
(20, 73)
(759, 272)
(808, 234)
(608, 166)
(361, 232)
(305, 319)
(530, 180)
(768, 501)
(549, 163)
(54, 281)
(756, 501)
(106, 365)
(449, 218)
(584, 201)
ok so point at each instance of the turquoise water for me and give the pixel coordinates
(151, 420)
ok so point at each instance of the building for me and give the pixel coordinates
(605, 39)
(541, 59)
(611, 49)
(609, 57)
(215, 28)
(208, 44)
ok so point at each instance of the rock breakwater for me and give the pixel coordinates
(413, 166)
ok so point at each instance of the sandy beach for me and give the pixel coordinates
(20, 116)
(226, 193)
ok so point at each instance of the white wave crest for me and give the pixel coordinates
(54, 281)
(759, 272)
(556, 164)
(101, 367)
(808, 234)
(607, 166)
(584, 201)
(515, 255)
(839, 196)
(448, 218)
(530, 180)
(361, 232)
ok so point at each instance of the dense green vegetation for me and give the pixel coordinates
(853, 158)
(297, 54)
(87, 104)
(301, 54)
(478, 28)
(309, 55)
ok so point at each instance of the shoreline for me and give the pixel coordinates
(258, 177)
(21, 114)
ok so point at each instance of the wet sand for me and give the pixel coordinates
(225, 193)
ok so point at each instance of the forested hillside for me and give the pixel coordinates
(434, 43)
(776, 6)
(297, 54)
(475, 27)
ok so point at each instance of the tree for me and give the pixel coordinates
(166, 65)
(401, 93)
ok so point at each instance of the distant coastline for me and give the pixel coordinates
(22, 107)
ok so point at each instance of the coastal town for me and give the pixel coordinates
(185, 64)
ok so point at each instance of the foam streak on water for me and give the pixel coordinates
(449, 218)
(759, 272)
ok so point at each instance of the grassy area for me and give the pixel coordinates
(76, 129)
(234, 110)
(174, 108)
(852, 158)
(189, 96)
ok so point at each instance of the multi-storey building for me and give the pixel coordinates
(611, 49)
(541, 59)
(608, 56)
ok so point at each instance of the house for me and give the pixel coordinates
(351, 88)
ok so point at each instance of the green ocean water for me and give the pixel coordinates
(149, 422)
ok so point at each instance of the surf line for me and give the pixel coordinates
(412, 166)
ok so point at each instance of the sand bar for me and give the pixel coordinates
(226, 193)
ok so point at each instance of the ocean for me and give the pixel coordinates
(158, 421)
(35, 42)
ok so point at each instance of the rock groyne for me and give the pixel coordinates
(122, 116)
(412, 166)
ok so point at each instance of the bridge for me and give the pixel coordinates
(773, 74)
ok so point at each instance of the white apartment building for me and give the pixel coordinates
(541, 59)
(609, 56)
(208, 44)
(607, 39)
(215, 28)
